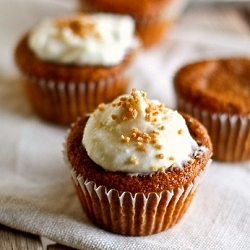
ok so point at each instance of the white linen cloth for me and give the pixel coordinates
(36, 192)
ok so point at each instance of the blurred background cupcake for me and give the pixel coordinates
(71, 64)
(217, 93)
(153, 18)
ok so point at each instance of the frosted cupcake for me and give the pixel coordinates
(154, 18)
(73, 63)
(136, 164)
(217, 92)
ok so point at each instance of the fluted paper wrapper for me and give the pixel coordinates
(133, 215)
(62, 102)
(230, 134)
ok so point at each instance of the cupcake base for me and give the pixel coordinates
(62, 103)
(134, 215)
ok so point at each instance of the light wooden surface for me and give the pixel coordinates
(11, 239)
(16, 240)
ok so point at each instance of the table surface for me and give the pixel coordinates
(13, 239)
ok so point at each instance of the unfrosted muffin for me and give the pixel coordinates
(153, 18)
(217, 92)
(71, 64)
(136, 164)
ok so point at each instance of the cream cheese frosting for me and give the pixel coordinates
(93, 39)
(136, 135)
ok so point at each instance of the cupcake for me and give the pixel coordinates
(217, 93)
(71, 64)
(153, 18)
(136, 164)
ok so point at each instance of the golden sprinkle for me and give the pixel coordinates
(134, 160)
(143, 94)
(191, 161)
(133, 135)
(141, 147)
(145, 136)
(148, 117)
(162, 127)
(134, 113)
(80, 26)
(173, 165)
(158, 146)
(123, 98)
(128, 104)
(153, 141)
(100, 125)
(153, 168)
(171, 158)
(101, 106)
(124, 118)
(139, 138)
(155, 132)
(162, 168)
(135, 130)
(153, 136)
(180, 131)
(160, 156)
(125, 139)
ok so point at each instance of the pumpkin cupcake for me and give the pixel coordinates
(71, 64)
(154, 18)
(136, 164)
(217, 93)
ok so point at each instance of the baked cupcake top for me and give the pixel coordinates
(136, 135)
(92, 39)
(219, 85)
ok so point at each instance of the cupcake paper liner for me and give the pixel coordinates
(133, 215)
(230, 134)
(62, 102)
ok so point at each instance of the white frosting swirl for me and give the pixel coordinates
(96, 39)
(136, 135)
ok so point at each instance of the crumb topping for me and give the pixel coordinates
(80, 25)
(143, 135)
(134, 160)
(141, 139)
(160, 156)
(180, 131)
(101, 106)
